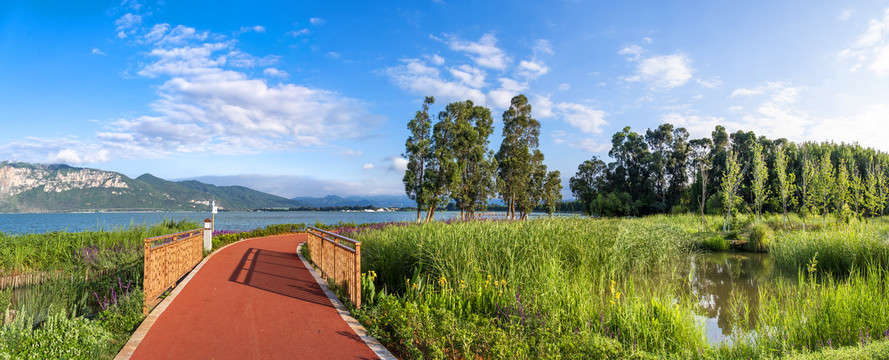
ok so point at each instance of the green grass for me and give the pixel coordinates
(616, 288)
(541, 278)
(97, 250)
(838, 251)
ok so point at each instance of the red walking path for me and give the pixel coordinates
(254, 299)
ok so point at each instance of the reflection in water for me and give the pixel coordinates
(719, 281)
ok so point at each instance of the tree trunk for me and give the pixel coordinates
(419, 210)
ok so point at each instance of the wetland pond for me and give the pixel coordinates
(718, 280)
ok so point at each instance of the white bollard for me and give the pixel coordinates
(208, 235)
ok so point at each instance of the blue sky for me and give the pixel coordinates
(313, 98)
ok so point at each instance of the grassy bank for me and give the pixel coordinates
(613, 288)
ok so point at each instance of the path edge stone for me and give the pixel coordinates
(359, 329)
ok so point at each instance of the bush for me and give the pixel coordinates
(124, 317)
(714, 243)
(59, 337)
(760, 238)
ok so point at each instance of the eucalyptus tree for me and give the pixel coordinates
(660, 145)
(701, 148)
(442, 169)
(730, 182)
(418, 150)
(552, 191)
(514, 158)
(586, 184)
(475, 162)
(760, 175)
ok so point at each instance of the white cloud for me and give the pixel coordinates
(471, 76)
(871, 49)
(435, 59)
(418, 77)
(369, 166)
(582, 117)
(543, 46)
(67, 150)
(256, 29)
(665, 71)
(742, 92)
(127, 24)
(96, 51)
(634, 51)
(397, 164)
(590, 145)
(542, 107)
(485, 52)
(711, 83)
(647, 40)
(206, 105)
(300, 32)
(275, 72)
(509, 88)
(564, 87)
(846, 14)
(333, 55)
(317, 21)
(532, 69)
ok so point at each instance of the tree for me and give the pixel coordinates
(824, 185)
(730, 182)
(586, 183)
(418, 148)
(552, 193)
(786, 183)
(514, 159)
(659, 142)
(760, 175)
(871, 191)
(701, 148)
(841, 192)
(475, 163)
(442, 168)
(809, 172)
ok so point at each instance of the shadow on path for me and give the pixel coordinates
(275, 272)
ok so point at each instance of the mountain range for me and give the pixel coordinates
(26, 187)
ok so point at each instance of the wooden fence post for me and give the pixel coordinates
(357, 281)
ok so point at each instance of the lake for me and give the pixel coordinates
(237, 221)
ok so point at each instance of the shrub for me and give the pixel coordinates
(760, 238)
(59, 337)
(714, 243)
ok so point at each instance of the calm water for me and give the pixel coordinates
(714, 277)
(41, 223)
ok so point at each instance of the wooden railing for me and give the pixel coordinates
(337, 260)
(167, 259)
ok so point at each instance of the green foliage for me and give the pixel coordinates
(59, 337)
(478, 274)
(715, 243)
(760, 238)
(94, 250)
(418, 149)
(839, 251)
(125, 316)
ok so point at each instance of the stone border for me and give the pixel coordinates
(146, 325)
(371, 342)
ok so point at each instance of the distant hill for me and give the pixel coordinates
(375, 200)
(28, 187)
